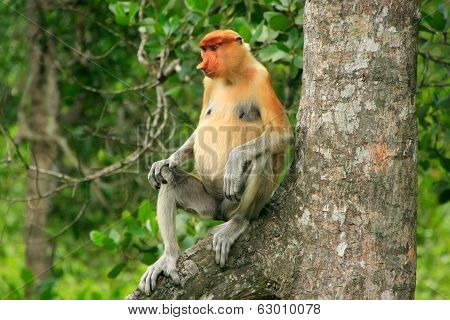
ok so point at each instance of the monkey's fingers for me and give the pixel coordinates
(152, 179)
(237, 186)
(158, 174)
(144, 285)
(221, 248)
(225, 248)
(230, 190)
(225, 186)
(153, 276)
(143, 280)
(173, 164)
(174, 275)
(228, 186)
(233, 190)
(217, 250)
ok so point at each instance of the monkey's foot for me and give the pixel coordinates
(167, 265)
(225, 235)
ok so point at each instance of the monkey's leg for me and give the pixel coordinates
(258, 190)
(184, 191)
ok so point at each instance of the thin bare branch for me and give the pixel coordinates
(439, 60)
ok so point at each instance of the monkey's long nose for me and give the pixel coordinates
(202, 66)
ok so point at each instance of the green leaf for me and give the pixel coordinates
(102, 240)
(133, 9)
(126, 240)
(215, 19)
(137, 231)
(114, 272)
(277, 21)
(257, 33)
(96, 237)
(298, 62)
(27, 276)
(161, 26)
(424, 28)
(299, 18)
(144, 212)
(198, 28)
(285, 2)
(126, 215)
(293, 38)
(174, 23)
(200, 6)
(154, 225)
(124, 12)
(241, 26)
(273, 52)
(174, 91)
(113, 234)
(267, 35)
(150, 255)
(121, 17)
(436, 21)
(187, 242)
(293, 71)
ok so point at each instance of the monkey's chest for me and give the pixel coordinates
(221, 129)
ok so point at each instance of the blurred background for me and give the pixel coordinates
(116, 88)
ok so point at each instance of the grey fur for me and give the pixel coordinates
(182, 190)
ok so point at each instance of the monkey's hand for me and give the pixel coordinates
(167, 265)
(235, 176)
(155, 177)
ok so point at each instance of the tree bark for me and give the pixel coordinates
(38, 124)
(342, 224)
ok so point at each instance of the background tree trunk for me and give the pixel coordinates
(342, 225)
(38, 124)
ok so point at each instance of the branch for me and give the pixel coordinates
(146, 85)
(74, 182)
(141, 54)
(434, 59)
(434, 85)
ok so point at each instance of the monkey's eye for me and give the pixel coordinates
(203, 48)
(213, 48)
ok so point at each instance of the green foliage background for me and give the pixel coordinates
(103, 254)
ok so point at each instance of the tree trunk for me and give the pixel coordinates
(38, 124)
(342, 225)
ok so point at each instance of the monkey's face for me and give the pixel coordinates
(222, 51)
(210, 61)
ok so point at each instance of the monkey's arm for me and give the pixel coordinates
(155, 177)
(272, 141)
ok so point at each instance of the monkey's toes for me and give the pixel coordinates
(165, 265)
(221, 246)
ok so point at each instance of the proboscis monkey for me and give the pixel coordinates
(238, 148)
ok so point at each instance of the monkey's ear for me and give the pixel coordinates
(239, 39)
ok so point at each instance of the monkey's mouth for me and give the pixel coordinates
(209, 74)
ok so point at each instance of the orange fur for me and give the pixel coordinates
(218, 37)
(238, 77)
